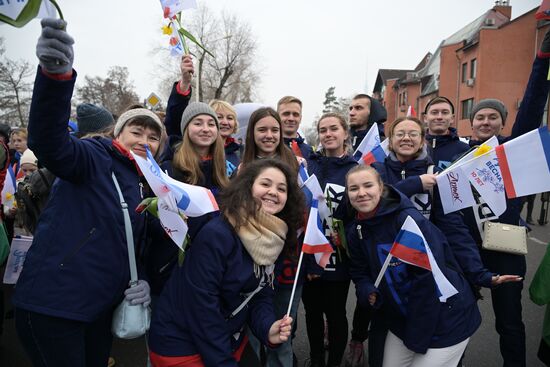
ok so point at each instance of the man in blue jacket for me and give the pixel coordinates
(289, 109)
(488, 118)
(363, 112)
(444, 145)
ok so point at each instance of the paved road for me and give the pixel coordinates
(483, 350)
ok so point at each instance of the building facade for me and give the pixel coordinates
(489, 58)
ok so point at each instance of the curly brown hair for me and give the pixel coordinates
(237, 199)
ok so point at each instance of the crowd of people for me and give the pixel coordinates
(224, 303)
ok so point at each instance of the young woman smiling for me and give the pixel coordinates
(325, 290)
(422, 330)
(227, 116)
(264, 138)
(200, 316)
(77, 268)
(406, 168)
(198, 160)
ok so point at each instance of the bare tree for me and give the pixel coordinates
(310, 132)
(115, 92)
(232, 75)
(15, 90)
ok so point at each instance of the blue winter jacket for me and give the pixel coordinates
(192, 314)
(232, 154)
(77, 267)
(305, 148)
(445, 149)
(408, 299)
(331, 173)
(177, 103)
(405, 178)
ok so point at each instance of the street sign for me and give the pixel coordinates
(153, 100)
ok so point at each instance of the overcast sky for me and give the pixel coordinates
(305, 47)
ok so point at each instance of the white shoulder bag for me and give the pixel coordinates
(129, 321)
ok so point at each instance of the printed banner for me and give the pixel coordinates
(19, 247)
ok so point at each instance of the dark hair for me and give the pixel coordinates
(236, 199)
(439, 99)
(147, 122)
(362, 96)
(250, 150)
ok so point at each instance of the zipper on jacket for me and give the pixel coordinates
(403, 174)
(359, 232)
(433, 143)
(141, 189)
(77, 248)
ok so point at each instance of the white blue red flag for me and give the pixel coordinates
(411, 111)
(411, 247)
(312, 190)
(302, 175)
(175, 198)
(315, 241)
(525, 163)
(8, 191)
(370, 149)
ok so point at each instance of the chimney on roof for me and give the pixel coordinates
(503, 7)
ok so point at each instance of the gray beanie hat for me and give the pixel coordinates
(194, 109)
(495, 104)
(91, 118)
(136, 112)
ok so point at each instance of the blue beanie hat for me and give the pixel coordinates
(92, 118)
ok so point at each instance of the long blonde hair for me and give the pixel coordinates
(188, 160)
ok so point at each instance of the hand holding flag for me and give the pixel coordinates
(315, 243)
(175, 198)
(411, 247)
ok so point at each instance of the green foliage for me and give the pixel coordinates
(30, 11)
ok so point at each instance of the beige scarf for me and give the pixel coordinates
(263, 238)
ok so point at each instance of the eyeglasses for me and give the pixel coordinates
(411, 134)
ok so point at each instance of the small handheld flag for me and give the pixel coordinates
(525, 163)
(411, 112)
(315, 241)
(411, 247)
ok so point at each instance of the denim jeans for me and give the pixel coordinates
(56, 342)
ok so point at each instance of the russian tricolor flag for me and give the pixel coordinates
(525, 163)
(370, 150)
(312, 191)
(411, 247)
(302, 175)
(315, 241)
(411, 112)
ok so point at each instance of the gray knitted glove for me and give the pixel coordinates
(140, 293)
(55, 47)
